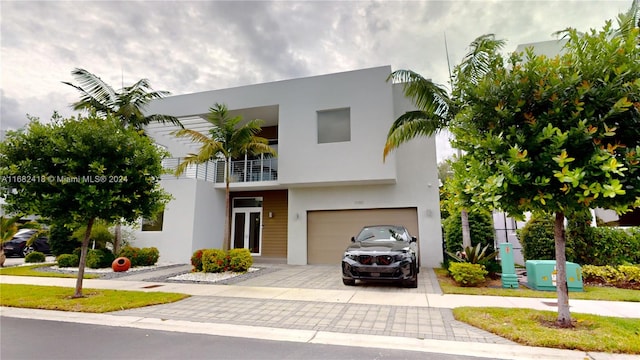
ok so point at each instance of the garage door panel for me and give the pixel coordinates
(329, 232)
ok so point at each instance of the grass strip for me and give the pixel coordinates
(535, 328)
(94, 300)
(449, 286)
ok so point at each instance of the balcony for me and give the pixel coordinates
(242, 171)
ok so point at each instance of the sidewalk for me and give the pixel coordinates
(310, 304)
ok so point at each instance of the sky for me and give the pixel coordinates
(192, 46)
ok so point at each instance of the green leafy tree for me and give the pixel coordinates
(436, 109)
(127, 105)
(480, 225)
(559, 135)
(78, 170)
(227, 140)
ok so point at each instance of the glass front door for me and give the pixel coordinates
(247, 229)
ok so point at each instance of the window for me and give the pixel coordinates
(153, 224)
(334, 126)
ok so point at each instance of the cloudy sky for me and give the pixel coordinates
(191, 46)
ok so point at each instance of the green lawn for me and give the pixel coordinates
(94, 301)
(534, 328)
(590, 292)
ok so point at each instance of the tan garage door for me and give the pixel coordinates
(329, 232)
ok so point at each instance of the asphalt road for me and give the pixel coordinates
(40, 339)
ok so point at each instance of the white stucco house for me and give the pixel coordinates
(328, 180)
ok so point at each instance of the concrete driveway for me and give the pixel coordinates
(329, 277)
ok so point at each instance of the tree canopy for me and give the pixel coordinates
(557, 135)
(81, 169)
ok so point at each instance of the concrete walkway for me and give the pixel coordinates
(299, 303)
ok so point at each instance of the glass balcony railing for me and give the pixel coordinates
(242, 171)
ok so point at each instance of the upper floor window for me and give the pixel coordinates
(334, 125)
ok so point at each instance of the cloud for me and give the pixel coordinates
(192, 46)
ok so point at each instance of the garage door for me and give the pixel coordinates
(330, 232)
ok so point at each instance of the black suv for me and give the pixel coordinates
(18, 245)
(382, 252)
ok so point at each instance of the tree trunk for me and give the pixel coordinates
(117, 237)
(564, 314)
(83, 258)
(466, 231)
(226, 244)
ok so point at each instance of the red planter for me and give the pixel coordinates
(121, 264)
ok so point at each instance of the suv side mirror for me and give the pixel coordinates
(353, 239)
(414, 239)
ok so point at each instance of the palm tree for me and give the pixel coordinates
(435, 108)
(226, 140)
(126, 104)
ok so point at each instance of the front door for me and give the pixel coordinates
(247, 228)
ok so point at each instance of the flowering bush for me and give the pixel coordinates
(140, 257)
(240, 260)
(215, 260)
(196, 260)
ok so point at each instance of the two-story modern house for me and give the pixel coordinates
(328, 180)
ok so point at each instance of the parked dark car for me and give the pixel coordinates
(382, 252)
(18, 245)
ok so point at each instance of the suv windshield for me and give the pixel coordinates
(383, 233)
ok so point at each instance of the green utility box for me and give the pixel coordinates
(541, 275)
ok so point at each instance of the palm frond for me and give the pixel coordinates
(425, 93)
(193, 135)
(163, 119)
(94, 91)
(482, 57)
(629, 20)
(207, 152)
(410, 125)
(8, 227)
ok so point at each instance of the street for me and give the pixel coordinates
(41, 339)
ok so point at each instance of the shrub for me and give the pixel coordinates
(196, 260)
(601, 274)
(148, 256)
(240, 260)
(100, 234)
(537, 239)
(68, 260)
(578, 236)
(634, 250)
(130, 252)
(480, 227)
(60, 240)
(624, 276)
(214, 260)
(631, 273)
(466, 274)
(609, 246)
(99, 258)
(140, 257)
(474, 255)
(34, 257)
